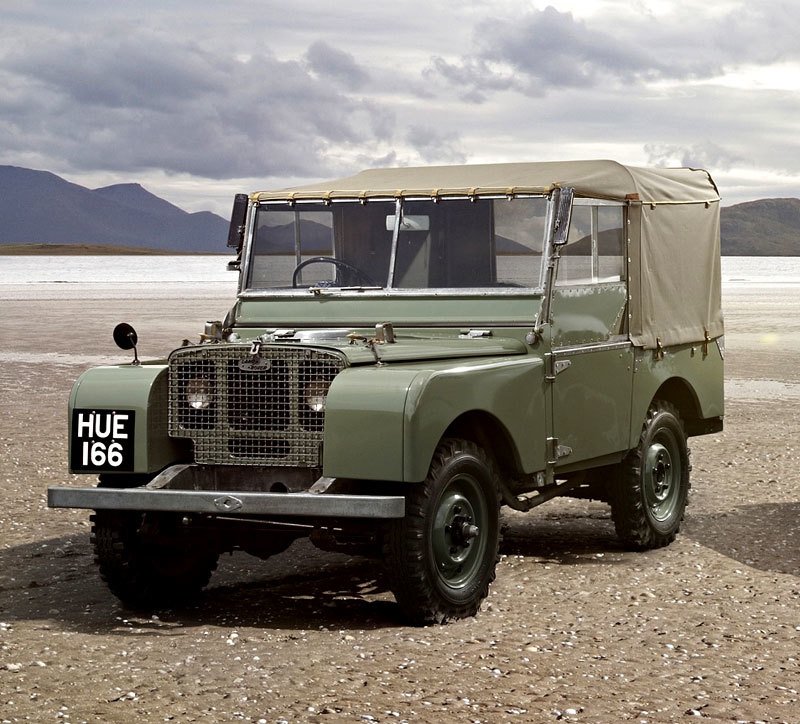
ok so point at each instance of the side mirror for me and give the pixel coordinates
(238, 215)
(125, 337)
(562, 212)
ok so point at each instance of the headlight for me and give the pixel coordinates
(316, 393)
(198, 393)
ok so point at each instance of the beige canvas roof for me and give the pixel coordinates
(673, 230)
(599, 179)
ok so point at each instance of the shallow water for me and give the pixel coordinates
(210, 270)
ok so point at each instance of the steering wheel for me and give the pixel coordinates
(339, 264)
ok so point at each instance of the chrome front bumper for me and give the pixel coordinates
(213, 491)
(214, 502)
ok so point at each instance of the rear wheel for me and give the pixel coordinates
(652, 484)
(147, 561)
(442, 556)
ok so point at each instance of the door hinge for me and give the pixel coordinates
(556, 367)
(555, 451)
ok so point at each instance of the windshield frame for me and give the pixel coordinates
(389, 290)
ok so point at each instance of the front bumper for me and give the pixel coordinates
(214, 502)
(232, 490)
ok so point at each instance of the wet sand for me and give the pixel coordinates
(575, 628)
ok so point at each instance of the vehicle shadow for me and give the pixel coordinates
(765, 536)
(56, 581)
(565, 537)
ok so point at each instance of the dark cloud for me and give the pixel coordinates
(191, 92)
(435, 146)
(141, 100)
(471, 79)
(541, 50)
(329, 62)
(547, 50)
(554, 49)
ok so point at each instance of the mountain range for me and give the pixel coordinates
(38, 207)
(767, 227)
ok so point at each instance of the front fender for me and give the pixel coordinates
(385, 422)
(364, 423)
(509, 390)
(138, 388)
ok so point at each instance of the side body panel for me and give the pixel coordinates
(143, 389)
(592, 371)
(592, 402)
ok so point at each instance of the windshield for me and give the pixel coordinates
(444, 244)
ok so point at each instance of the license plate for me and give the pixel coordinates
(102, 440)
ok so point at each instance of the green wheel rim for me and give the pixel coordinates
(662, 477)
(459, 534)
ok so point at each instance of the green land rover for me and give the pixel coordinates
(411, 349)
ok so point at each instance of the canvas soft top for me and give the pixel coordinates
(673, 228)
(599, 179)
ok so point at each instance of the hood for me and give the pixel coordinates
(412, 349)
(405, 349)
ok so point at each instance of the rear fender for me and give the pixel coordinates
(690, 377)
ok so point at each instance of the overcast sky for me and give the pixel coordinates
(197, 100)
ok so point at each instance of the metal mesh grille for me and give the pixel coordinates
(250, 409)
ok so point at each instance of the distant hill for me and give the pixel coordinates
(767, 227)
(38, 207)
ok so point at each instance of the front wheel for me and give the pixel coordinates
(651, 488)
(442, 556)
(147, 561)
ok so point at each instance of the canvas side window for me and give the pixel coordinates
(610, 244)
(594, 252)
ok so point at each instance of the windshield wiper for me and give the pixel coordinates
(326, 290)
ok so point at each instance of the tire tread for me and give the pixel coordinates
(404, 545)
(627, 506)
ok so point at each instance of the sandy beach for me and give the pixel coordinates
(575, 628)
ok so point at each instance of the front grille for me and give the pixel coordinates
(253, 409)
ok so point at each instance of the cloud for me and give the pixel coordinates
(699, 155)
(435, 146)
(547, 50)
(192, 93)
(141, 100)
(329, 62)
(552, 48)
(472, 79)
(540, 51)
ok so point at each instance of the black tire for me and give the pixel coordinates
(651, 486)
(441, 556)
(145, 560)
